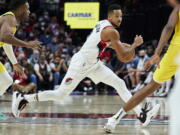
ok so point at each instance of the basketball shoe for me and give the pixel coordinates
(145, 117)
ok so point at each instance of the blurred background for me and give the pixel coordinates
(49, 23)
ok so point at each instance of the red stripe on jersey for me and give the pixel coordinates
(107, 27)
(103, 48)
(103, 44)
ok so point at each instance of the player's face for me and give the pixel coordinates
(25, 12)
(116, 18)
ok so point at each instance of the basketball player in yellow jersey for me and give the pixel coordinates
(8, 23)
(166, 69)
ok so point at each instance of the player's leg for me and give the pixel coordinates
(141, 95)
(74, 75)
(166, 70)
(5, 80)
(107, 76)
(72, 78)
(69, 83)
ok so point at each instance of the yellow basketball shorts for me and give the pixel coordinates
(168, 67)
(2, 68)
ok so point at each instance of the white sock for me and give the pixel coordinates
(120, 114)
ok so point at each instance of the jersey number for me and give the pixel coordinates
(97, 28)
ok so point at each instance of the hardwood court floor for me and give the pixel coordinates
(78, 115)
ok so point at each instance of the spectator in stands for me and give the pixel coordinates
(142, 59)
(59, 69)
(43, 71)
(23, 84)
(54, 45)
(29, 70)
(54, 26)
(135, 72)
(34, 58)
(46, 37)
(130, 77)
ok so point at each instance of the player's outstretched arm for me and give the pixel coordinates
(165, 36)
(167, 30)
(7, 36)
(8, 49)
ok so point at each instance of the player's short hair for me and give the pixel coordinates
(113, 7)
(15, 4)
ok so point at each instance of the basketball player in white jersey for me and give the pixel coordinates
(86, 63)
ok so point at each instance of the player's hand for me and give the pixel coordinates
(17, 69)
(138, 40)
(34, 44)
(155, 59)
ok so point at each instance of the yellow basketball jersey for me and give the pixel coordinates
(176, 37)
(14, 29)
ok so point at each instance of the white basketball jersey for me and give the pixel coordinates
(94, 46)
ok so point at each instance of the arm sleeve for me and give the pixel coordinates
(8, 49)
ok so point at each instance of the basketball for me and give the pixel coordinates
(129, 56)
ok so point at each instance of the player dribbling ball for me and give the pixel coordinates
(129, 56)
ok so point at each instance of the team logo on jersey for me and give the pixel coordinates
(68, 81)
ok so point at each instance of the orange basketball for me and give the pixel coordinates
(129, 56)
